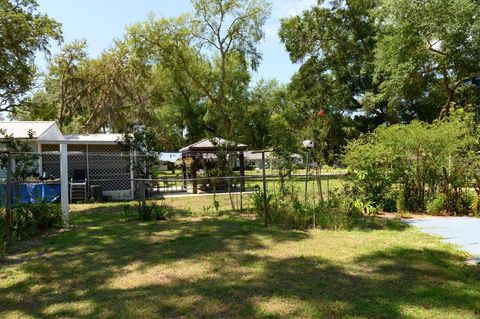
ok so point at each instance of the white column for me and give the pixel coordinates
(64, 181)
(132, 175)
(40, 160)
(88, 164)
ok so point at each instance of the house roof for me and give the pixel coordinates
(213, 144)
(20, 129)
(108, 138)
(255, 156)
(47, 132)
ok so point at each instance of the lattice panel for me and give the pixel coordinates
(51, 162)
(106, 165)
(77, 159)
(109, 168)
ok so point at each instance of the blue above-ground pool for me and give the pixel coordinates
(30, 193)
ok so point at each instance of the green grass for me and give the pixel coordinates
(211, 265)
(298, 185)
(329, 184)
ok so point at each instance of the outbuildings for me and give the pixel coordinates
(95, 158)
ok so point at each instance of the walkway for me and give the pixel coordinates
(461, 231)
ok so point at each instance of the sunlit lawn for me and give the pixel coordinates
(200, 263)
(254, 179)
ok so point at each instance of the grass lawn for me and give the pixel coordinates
(202, 264)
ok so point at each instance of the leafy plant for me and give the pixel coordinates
(30, 220)
(436, 204)
(126, 211)
(152, 211)
(215, 203)
(416, 161)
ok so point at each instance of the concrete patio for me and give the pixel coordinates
(461, 231)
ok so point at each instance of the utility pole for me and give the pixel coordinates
(8, 203)
(308, 144)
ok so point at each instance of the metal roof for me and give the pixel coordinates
(47, 132)
(20, 129)
(213, 144)
(107, 138)
(256, 156)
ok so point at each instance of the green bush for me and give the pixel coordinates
(33, 219)
(152, 211)
(30, 220)
(289, 212)
(436, 204)
(475, 205)
(336, 218)
(419, 161)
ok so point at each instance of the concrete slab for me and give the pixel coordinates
(461, 231)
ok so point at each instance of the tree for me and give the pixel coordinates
(215, 47)
(23, 33)
(425, 52)
(265, 100)
(65, 80)
(61, 95)
(20, 150)
(384, 60)
(335, 44)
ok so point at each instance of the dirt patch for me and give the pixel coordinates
(409, 216)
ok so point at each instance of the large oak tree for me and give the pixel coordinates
(23, 33)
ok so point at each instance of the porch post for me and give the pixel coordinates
(194, 175)
(184, 172)
(40, 160)
(242, 171)
(64, 181)
(132, 176)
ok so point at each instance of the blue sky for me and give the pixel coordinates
(100, 21)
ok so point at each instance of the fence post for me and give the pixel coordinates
(265, 208)
(64, 182)
(306, 178)
(328, 189)
(241, 194)
(8, 203)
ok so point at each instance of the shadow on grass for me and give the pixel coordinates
(371, 223)
(224, 268)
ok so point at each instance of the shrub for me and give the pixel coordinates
(421, 160)
(435, 204)
(152, 211)
(30, 220)
(288, 211)
(475, 205)
(258, 203)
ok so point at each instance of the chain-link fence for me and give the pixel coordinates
(104, 173)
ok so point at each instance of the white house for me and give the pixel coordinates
(97, 155)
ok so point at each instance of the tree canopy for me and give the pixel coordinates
(363, 63)
(385, 60)
(23, 33)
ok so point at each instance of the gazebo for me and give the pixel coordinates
(208, 149)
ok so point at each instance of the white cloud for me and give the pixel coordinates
(284, 9)
(290, 8)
